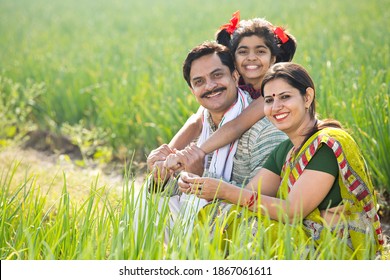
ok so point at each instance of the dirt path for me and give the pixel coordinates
(48, 171)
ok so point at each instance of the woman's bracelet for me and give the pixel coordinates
(252, 199)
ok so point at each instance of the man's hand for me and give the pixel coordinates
(155, 161)
(159, 154)
(174, 163)
(160, 173)
(191, 159)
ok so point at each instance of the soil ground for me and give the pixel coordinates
(48, 173)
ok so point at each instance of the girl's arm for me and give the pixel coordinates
(233, 130)
(189, 131)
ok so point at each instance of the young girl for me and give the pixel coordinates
(256, 45)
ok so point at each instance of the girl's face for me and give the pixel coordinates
(253, 58)
(285, 107)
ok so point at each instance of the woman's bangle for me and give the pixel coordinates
(252, 199)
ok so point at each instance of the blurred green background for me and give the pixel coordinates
(108, 75)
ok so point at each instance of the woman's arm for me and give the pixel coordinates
(307, 193)
(232, 130)
(188, 132)
(211, 188)
(265, 181)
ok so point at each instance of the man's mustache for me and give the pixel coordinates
(207, 93)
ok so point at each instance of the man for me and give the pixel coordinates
(211, 75)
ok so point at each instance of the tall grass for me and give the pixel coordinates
(102, 227)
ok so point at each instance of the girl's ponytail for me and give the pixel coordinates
(223, 37)
(224, 34)
(287, 45)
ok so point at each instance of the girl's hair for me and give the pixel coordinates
(297, 77)
(282, 45)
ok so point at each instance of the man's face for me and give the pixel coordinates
(212, 84)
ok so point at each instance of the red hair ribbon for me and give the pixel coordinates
(281, 35)
(233, 24)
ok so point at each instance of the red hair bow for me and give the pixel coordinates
(233, 24)
(281, 35)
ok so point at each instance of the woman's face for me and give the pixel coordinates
(253, 58)
(285, 107)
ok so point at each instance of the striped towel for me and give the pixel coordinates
(222, 159)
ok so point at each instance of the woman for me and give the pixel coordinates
(319, 176)
(256, 45)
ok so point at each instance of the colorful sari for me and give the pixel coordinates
(359, 228)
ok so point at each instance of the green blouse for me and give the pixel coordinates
(324, 160)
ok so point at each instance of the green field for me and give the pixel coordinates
(107, 74)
